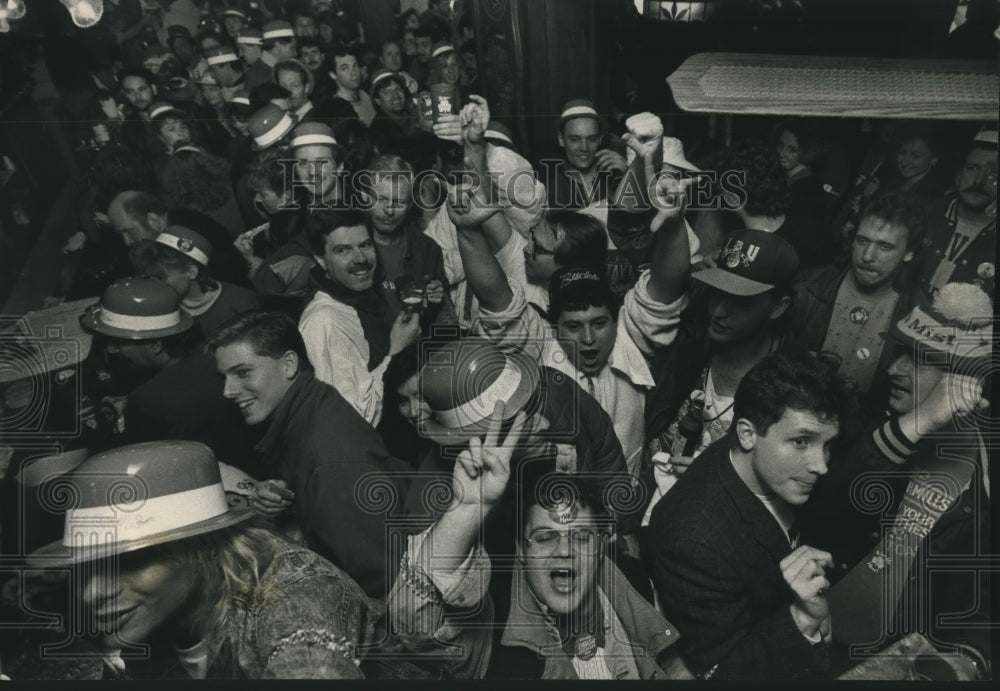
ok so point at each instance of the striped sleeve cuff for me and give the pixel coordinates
(890, 440)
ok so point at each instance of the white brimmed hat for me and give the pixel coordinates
(138, 496)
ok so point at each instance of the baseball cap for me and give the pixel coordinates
(579, 285)
(751, 263)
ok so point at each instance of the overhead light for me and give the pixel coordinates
(85, 13)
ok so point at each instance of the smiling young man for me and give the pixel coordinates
(315, 440)
(723, 548)
(847, 311)
(349, 328)
(572, 614)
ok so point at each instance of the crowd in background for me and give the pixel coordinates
(402, 403)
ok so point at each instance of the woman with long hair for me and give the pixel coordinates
(183, 571)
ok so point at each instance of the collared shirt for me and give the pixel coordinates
(644, 325)
(302, 110)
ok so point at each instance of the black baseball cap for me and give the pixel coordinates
(751, 263)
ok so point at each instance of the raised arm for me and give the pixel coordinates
(671, 260)
(446, 568)
(469, 213)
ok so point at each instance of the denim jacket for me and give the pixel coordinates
(448, 617)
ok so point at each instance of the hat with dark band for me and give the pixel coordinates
(137, 309)
(751, 263)
(138, 496)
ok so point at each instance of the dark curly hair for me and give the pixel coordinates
(789, 381)
(765, 182)
(196, 180)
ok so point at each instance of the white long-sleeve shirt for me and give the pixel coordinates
(644, 325)
(337, 348)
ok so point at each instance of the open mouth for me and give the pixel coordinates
(360, 273)
(562, 580)
(896, 389)
(589, 357)
(245, 405)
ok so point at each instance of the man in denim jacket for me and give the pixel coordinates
(572, 614)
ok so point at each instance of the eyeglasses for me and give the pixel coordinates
(584, 541)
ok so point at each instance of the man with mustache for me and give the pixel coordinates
(349, 330)
(962, 229)
(848, 310)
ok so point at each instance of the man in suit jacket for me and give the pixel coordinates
(723, 550)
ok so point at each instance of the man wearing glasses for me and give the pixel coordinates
(572, 614)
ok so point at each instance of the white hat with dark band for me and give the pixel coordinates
(187, 242)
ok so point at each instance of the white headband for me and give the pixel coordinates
(307, 139)
(275, 133)
(135, 323)
(384, 76)
(279, 33)
(221, 58)
(136, 520)
(156, 112)
(175, 242)
(578, 110)
(440, 50)
(481, 407)
(250, 40)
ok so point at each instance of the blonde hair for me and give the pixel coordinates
(228, 565)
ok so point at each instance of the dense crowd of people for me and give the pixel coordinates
(372, 395)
